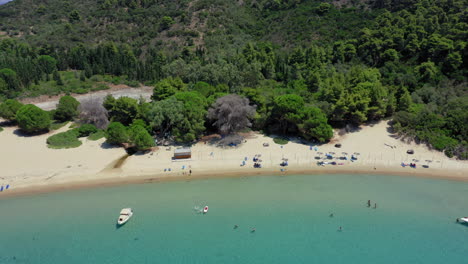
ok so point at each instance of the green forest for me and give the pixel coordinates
(307, 66)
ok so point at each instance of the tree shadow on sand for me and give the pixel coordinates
(106, 145)
(21, 133)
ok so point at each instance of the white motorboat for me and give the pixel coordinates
(463, 220)
(205, 210)
(124, 216)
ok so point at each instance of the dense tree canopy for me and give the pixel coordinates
(32, 119)
(67, 108)
(305, 65)
(117, 133)
(9, 108)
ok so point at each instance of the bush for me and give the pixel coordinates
(97, 135)
(116, 133)
(281, 141)
(86, 130)
(100, 87)
(68, 139)
(9, 108)
(67, 108)
(57, 125)
(133, 84)
(1, 129)
(32, 119)
(140, 138)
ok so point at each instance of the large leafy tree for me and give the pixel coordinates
(164, 115)
(117, 133)
(9, 108)
(315, 125)
(67, 108)
(167, 87)
(123, 109)
(140, 138)
(32, 119)
(287, 112)
(193, 124)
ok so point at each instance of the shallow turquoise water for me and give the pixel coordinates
(414, 222)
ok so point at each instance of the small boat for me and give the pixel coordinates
(124, 216)
(205, 210)
(463, 220)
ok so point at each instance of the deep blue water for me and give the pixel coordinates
(414, 222)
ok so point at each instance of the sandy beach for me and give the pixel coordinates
(29, 166)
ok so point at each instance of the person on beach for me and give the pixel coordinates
(190, 171)
(368, 203)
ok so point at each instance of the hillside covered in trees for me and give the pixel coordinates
(307, 66)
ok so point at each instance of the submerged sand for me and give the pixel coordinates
(28, 165)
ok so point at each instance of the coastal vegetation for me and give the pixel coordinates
(305, 66)
(32, 119)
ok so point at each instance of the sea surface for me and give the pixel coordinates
(414, 222)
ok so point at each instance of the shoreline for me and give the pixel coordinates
(116, 180)
(30, 167)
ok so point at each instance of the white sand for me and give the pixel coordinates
(27, 162)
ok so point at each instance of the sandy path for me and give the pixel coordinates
(49, 103)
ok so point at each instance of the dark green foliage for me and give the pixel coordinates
(10, 83)
(32, 119)
(194, 111)
(97, 135)
(140, 138)
(357, 61)
(315, 125)
(67, 108)
(57, 78)
(281, 141)
(123, 109)
(57, 125)
(64, 140)
(168, 87)
(9, 108)
(86, 130)
(117, 133)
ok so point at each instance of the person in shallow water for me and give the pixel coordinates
(253, 230)
(341, 229)
(375, 206)
(368, 203)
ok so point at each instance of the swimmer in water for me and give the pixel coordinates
(331, 215)
(341, 229)
(236, 226)
(253, 230)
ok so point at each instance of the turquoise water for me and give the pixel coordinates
(414, 222)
